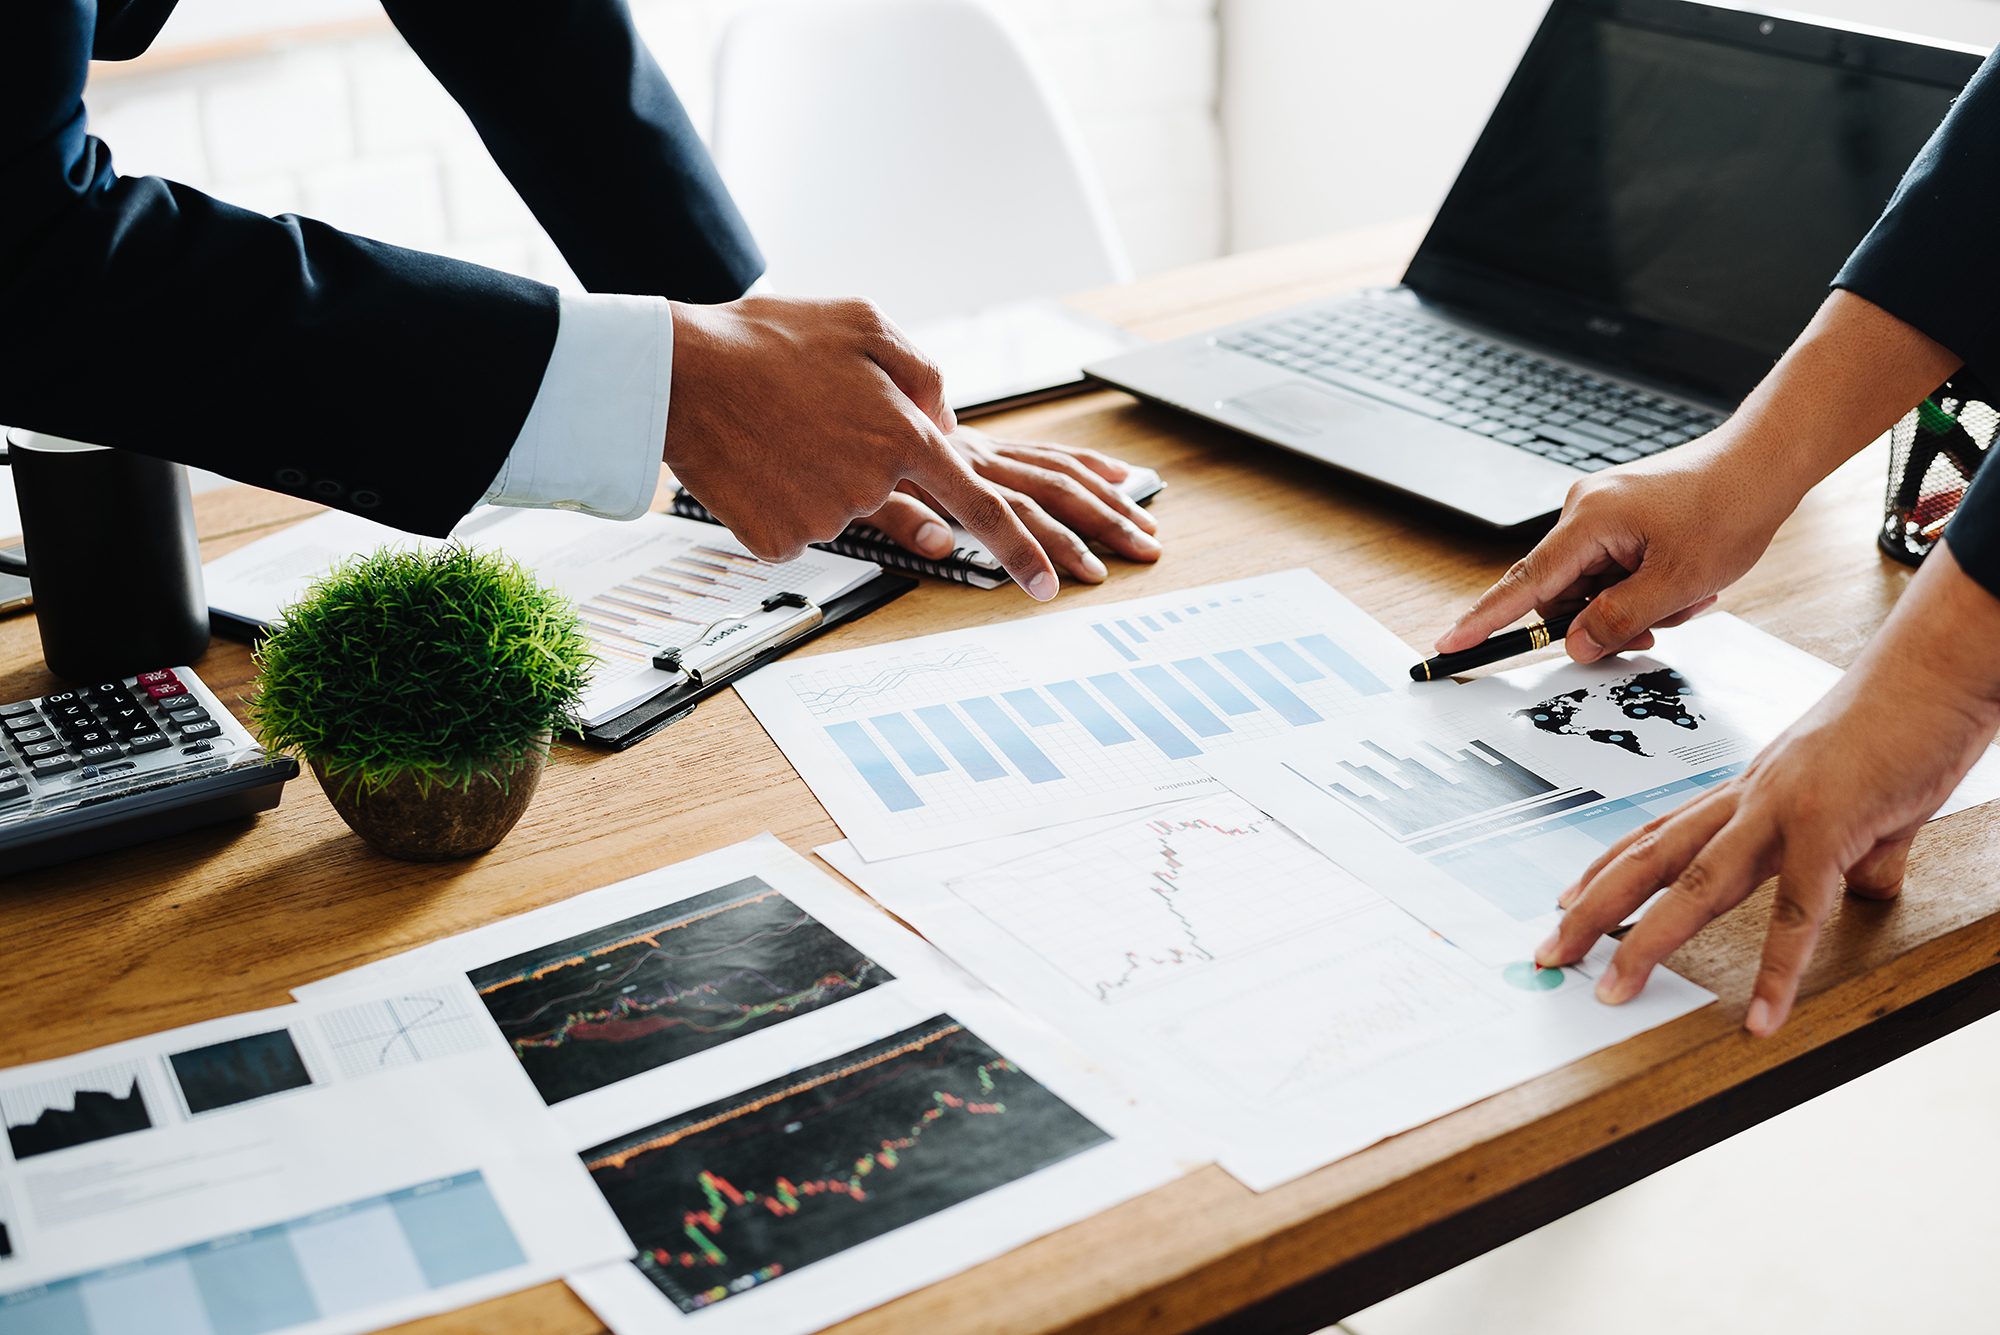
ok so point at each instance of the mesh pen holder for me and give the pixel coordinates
(1933, 453)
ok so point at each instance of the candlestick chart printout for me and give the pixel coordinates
(748, 1189)
(598, 1007)
(970, 734)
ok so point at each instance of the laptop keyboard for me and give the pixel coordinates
(1462, 380)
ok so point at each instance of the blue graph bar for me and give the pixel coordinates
(1216, 686)
(1194, 611)
(1291, 662)
(1038, 712)
(1084, 707)
(1344, 665)
(1181, 700)
(964, 747)
(909, 744)
(1174, 617)
(1136, 708)
(876, 768)
(1113, 640)
(998, 724)
(1138, 636)
(1290, 708)
(1150, 624)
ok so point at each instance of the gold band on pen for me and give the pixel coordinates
(1426, 666)
(1538, 635)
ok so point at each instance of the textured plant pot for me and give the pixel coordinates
(443, 823)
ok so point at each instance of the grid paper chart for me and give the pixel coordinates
(400, 1030)
(938, 741)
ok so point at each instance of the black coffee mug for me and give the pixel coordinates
(112, 556)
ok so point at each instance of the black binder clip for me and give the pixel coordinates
(730, 645)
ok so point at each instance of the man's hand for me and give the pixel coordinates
(1066, 496)
(790, 418)
(1652, 543)
(1841, 793)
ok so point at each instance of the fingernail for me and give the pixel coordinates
(934, 539)
(1092, 567)
(1611, 987)
(1584, 649)
(1042, 587)
(1545, 953)
(1569, 896)
(1758, 1021)
(1142, 540)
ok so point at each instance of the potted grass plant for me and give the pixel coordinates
(423, 687)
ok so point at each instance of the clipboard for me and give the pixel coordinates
(793, 623)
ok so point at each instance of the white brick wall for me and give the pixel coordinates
(353, 130)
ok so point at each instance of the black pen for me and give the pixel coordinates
(1525, 639)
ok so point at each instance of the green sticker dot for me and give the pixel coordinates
(1528, 978)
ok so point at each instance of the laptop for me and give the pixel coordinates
(1652, 213)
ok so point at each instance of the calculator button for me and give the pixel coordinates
(141, 742)
(205, 728)
(84, 737)
(33, 735)
(71, 710)
(21, 723)
(159, 678)
(12, 790)
(166, 690)
(39, 749)
(197, 749)
(60, 698)
(126, 719)
(192, 714)
(107, 690)
(90, 755)
(52, 765)
(17, 709)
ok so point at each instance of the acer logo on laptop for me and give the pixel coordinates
(1604, 326)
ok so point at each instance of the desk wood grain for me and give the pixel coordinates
(230, 918)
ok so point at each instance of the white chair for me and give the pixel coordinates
(908, 152)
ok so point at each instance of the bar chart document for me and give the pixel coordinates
(970, 734)
(306, 1169)
(1244, 983)
(796, 1108)
(1476, 808)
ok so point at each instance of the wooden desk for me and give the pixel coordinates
(227, 919)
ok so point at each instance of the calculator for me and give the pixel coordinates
(106, 766)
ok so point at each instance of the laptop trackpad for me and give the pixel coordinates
(1305, 409)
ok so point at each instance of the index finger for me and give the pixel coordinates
(943, 472)
(1557, 562)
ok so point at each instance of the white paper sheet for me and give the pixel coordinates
(791, 1100)
(309, 1168)
(1475, 809)
(1244, 983)
(976, 733)
(657, 582)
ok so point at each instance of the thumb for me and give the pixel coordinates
(1879, 874)
(1620, 614)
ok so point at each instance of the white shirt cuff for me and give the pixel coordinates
(592, 440)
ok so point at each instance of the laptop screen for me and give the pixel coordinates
(1671, 186)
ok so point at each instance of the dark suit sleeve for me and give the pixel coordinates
(578, 115)
(139, 313)
(1933, 261)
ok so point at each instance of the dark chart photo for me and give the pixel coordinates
(238, 1070)
(750, 1188)
(59, 1114)
(598, 1008)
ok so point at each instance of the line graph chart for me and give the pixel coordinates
(835, 692)
(748, 1189)
(1152, 899)
(593, 1009)
(399, 1031)
(59, 1113)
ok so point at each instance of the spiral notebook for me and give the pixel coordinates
(969, 563)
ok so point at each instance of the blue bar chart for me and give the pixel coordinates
(927, 742)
